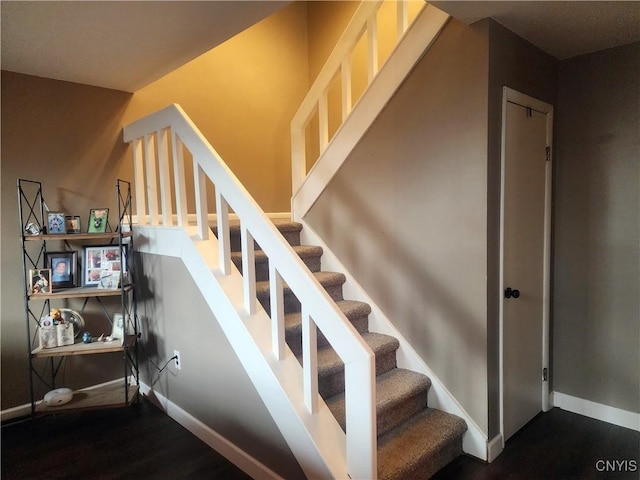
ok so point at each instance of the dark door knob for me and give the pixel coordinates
(509, 293)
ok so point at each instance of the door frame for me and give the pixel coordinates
(512, 96)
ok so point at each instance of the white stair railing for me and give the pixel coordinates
(357, 115)
(363, 24)
(157, 191)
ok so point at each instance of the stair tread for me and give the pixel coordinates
(329, 362)
(431, 433)
(352, 309)
(326, 279)
(392, 388)
(303, 251)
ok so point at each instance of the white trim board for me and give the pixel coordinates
(495, 447)
(213, 439)
(597, 411)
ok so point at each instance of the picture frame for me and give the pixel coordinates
(72, 223)
(109, 280)
(99, 258)
(39, 281)
(119, 330)
(98, 220)
(63, 266)
(47, 333)
(56, 223)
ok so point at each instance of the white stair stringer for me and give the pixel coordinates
(317, 441)
(474, 440)
(416, 42)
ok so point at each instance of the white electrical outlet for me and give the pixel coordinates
(178, 361)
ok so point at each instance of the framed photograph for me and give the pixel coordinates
(40, 281)
(55, 223)
(63, 267)
(100, 261)
(109, 279)
(72, 222)
(119, 330)
(47, 333)
(98, 219)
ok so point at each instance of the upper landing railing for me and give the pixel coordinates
(159, 142)
(316, 107)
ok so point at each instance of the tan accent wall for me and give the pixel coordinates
(242, 95)
(407, 215)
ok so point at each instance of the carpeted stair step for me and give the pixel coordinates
(331, 368)
(417, 449)
(290, 231)
(331, 281)
(310, 255)
(356, 312)
(400, 394)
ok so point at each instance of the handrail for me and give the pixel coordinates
(150, 135)
(363, 22)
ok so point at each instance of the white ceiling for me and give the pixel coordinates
(120, 45)
(127, 45)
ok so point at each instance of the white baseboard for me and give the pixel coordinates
(224, 447)
(495, 448)
(598, 411)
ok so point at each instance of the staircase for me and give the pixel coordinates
(414, 441)
(333, 387)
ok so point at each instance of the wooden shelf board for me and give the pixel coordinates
(80, 348)
(80, 292)
(109, 396)
(77, 236)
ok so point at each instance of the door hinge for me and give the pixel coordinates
(545, 374)
(548, 150)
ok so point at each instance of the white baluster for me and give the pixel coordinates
(323, 121)
(179, 179)
(248, 270)
(298, 158)
(165, 179)
(310, 361)
(200, 187)
(345, 71)
(276, 292)
(224, 241)
(152, 182)
(402, 19)
(372, 47)
(138, 172)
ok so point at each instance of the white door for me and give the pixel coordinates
(525, 258)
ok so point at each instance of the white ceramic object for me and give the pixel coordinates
(58, 396)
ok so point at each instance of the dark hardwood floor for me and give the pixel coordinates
(558, 445)
(139, 442)
(142, 443)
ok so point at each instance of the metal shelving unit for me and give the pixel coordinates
(35, 241)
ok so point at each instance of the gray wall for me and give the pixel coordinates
(596, 313)
(175, 316)
(407, 212)
(515, 63)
